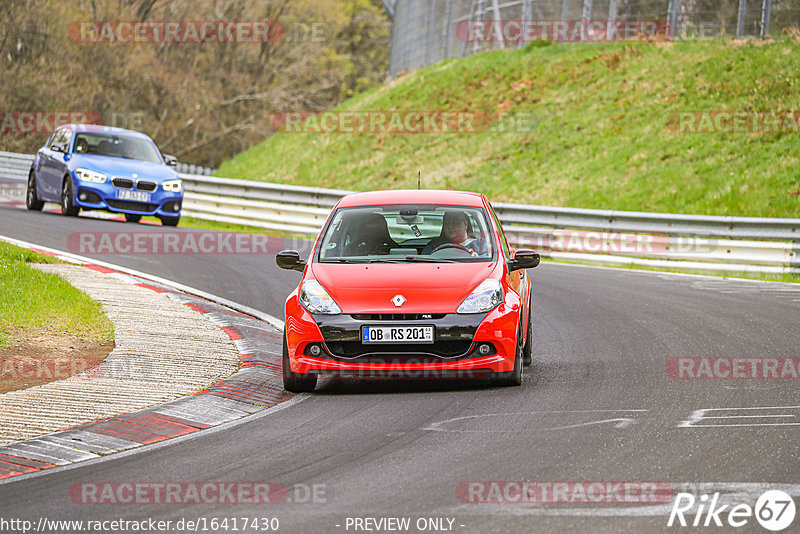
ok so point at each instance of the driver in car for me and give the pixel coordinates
(456, 234)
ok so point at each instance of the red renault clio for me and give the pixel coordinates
(409, 284)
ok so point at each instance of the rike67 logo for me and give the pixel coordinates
(774, 510)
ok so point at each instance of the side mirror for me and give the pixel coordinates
(290, 259)
(523, 259)
(172, 161)
(57, 148)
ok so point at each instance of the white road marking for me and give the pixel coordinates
(621, 422)
(699, 416)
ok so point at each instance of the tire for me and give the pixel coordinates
(527, 350)
(170, 221)
(32, 201)
(515, 376)
(295, 382)
(68, 208)
(132, 218)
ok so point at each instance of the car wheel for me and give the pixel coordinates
(32, 201)
(513, 377)
(132, 218)
(527, 350)
(170, 221)
(67, 207)
(295, 382)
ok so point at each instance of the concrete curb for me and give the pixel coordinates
(256, 386)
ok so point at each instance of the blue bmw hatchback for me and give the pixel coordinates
(91, 167)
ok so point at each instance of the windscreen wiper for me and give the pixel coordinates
(345, 260)
(410, 259)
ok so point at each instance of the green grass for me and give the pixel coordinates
(604, 132)
(34, 300)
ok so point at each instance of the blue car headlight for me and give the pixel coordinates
(173, 186)
(85, 175)
(315, 299)
(483, 298)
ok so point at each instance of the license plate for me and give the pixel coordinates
(137, 196)
(396, 334)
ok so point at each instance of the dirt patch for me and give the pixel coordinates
(39, 357)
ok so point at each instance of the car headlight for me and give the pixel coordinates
(173, 186)
(315, 299)
(85, 175)
(483, 298)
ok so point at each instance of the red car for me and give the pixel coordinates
(409, 284)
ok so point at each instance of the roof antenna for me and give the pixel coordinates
(419, 179)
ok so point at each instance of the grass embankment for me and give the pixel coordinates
(31, 300)
(604, 135)
(49, 330)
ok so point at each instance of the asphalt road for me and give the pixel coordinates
(598, 405)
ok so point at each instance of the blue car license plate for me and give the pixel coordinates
(136, 196)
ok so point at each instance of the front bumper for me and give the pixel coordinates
(454, 353)
(93, 196)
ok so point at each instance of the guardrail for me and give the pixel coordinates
(658, 240)
(15, 165)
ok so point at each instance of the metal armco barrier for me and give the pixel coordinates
(658, 240)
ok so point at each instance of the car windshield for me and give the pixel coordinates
(406, 234)
(118, 146)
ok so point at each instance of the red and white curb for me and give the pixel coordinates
(256, 386)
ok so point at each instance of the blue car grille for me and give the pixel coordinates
(122, 183)
(145, 185)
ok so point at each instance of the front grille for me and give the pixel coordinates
(145, 185)
(122, 183)
(396, 316)
(441, 349)
(129, 205)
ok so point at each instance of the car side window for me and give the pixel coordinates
(67, 138)
(55, 139)
(503, 241)
(50, 138)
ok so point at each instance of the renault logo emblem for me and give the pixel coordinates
(399, 300)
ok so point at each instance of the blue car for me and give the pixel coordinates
(91, 167)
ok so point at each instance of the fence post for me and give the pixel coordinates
(766, 7)
(587, 11)
(612, 16)
(740, 18)
(448, 18)
(525, 15)
(672, 17)
(480, 14)
(498, 23)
